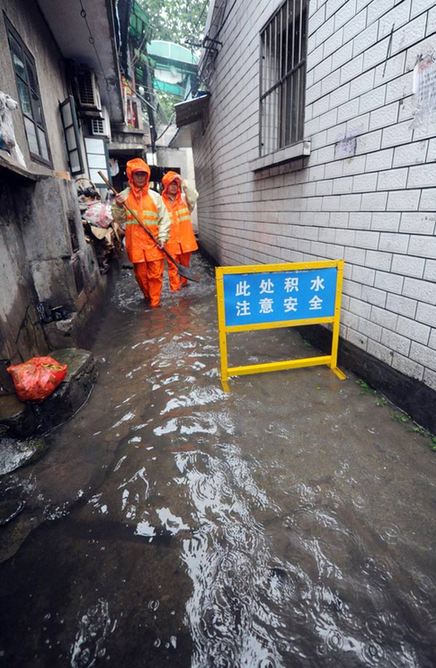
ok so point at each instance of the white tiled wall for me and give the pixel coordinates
(376, 209)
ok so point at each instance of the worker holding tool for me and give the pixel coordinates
(180, 201)
(137, 207)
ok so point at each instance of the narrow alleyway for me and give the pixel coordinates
(288, 523)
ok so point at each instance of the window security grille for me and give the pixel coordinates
(283, 77)
(87, 88)
(97, 126)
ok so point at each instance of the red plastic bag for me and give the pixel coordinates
(37, 378)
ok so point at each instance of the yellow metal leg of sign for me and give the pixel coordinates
(335, 338)
(222, 331)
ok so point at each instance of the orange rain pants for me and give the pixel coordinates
(184, 259)
(149, 276)
(173, 275)
(177, 281)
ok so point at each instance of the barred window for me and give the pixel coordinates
(283, 77)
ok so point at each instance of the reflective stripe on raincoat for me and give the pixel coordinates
(150, 209)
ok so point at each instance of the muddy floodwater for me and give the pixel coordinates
(290, 522)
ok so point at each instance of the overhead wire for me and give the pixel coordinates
(205, 4)
(225, 20)
(91, 40)
(139, 49)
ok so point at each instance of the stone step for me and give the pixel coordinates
(24, 419)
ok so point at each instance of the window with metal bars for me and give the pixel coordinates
(97, 126)
(283, 45)
(29, 97)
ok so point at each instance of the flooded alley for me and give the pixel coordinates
(287, 523)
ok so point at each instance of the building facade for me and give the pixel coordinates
(60, 68)
(320, 144)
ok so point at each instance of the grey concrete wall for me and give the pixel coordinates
(375, 207)
(30, 25)
(47, 241)
(37, 218)
(36, 266)
(21, 334)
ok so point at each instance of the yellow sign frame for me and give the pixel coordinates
(329, 360)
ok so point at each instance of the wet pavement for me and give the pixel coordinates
(290, 522)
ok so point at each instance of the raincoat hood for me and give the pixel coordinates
(137, 165)
(167, 179)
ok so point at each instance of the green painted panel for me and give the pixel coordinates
(171, 51)
(173, 89)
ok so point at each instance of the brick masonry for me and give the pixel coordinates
(375, 208)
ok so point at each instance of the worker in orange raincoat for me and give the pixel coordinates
(146, 255)
(180, 201)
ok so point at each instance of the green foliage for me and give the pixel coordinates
(401, 417)
(166, 105)
(366, 389)
(176, 21)
(381, 401)
(398, 415)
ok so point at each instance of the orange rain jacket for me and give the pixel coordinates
(148, 205)
(182, 238)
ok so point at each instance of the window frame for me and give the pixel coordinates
(286, 123)
(37, 118)
(74, 128)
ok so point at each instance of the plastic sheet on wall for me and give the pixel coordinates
(7, 134)
(424, 89)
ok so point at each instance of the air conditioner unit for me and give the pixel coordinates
(98, 126)
(87, 91)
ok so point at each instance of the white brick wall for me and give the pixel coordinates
(376, 209)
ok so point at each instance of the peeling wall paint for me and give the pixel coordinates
(424, 89)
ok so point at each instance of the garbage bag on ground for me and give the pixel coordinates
(37, 378)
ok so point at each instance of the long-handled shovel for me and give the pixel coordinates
(183, 271)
